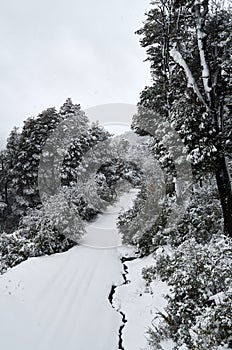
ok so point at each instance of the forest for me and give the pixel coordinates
(184, 121)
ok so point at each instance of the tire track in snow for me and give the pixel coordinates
(73, 286)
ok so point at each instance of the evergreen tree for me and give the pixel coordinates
(12, 147)
(3, 187)
(197, 315)
(73, 156)
(25, 171)
(7, 192)
(189, 46)
(71, 109)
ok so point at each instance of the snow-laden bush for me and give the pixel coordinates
(199, 305)
(138, 225)
(53, 228)
(13, 250)
(54, 225)
(201, 220)
(214, 326)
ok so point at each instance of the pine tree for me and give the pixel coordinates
(74, 154)
(12, 147)
(7, 192)
(25, 171)
(3, 188)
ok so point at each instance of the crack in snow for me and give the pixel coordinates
(111, 300)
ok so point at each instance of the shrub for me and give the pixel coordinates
(196, 274)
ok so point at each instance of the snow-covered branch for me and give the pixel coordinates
(200, 37)
(178, 58)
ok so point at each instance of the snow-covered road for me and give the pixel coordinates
(61, 302)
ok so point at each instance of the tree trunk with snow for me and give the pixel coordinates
(198, 37)
(208, 99)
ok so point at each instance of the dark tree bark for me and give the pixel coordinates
(225, 193)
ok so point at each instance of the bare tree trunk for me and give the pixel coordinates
(225, 193)
(6, 196)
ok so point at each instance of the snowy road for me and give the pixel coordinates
(61, 302)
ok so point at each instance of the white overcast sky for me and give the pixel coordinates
(54, 49)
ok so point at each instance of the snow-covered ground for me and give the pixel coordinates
(140, 304)
(103, 232)
(61, 301)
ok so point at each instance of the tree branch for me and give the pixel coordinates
(178, 58)
(200, 37)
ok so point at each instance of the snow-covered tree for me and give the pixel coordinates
(35, 133)
(25, 171)
(189, 46)
(197, 315)
(7, 192)
(74, 154)
(3, 186)
(12, 146)
(96, 169)
(14, 249)
(54, 226)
